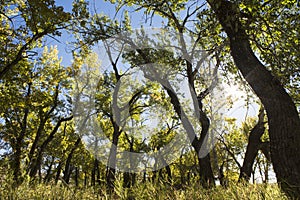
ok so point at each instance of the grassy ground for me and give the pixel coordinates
(141, 191)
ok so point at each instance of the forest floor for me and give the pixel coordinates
(140, 191)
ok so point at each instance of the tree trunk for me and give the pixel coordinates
(206, 173)
(283, 118)
(98, 178)
(127, 179)
(19, 140)
(115, 120)
(58, 170)
(93, 175)
(85, 179)
(17, 162)
(48, 174)
(111, 166)
(253, 146)
(129, 176)
(67, 171)
(76, 176)
(38, 161)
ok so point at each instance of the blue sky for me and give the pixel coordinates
(98, 6)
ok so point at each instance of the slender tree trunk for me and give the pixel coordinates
(40, 174)
(126, 179)
(17, 161)
(129, 177)
(85, 179)
(283, 118)
(206, 173)
(58, 170)
(111, 167)
(169, 173)
(39, 157)
(48, 174)
(19, 141)
(115, 120)
(76, 176)
(253, 146)
(93, 176)
(98, 180)
(67, 171)
(35, 143)
(167, 167)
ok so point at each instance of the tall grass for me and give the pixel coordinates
(140, 191)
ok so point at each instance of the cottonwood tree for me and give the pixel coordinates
(283, 118)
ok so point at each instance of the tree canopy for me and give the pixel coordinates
(151, 102)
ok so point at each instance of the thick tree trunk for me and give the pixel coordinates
(283, 118)
(253, 146)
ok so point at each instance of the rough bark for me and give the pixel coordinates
(283, 118)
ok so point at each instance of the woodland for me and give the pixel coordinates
(131, 99)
